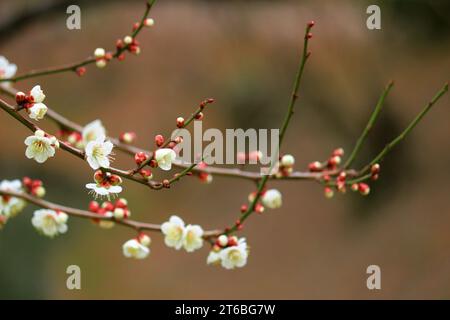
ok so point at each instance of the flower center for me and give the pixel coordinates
(98, 152)
(49, 221)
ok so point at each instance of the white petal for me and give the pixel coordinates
(38, 94)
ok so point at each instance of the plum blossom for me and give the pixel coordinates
(11, 206)
(7, 70)
(178, 236)
(37, 110)
(135, 249)
(232, 255)
(165, 157)
(49, 222)
(235, 256)
(104, 190)
(92, 131)
(106, 185)
(213, 258)
(173, 231)
(98, 153)
(40, 147)
(192, 238)
(272, 199)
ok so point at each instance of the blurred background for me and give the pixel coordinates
(244, 54)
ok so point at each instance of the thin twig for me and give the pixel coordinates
(136, 225)
(373, 118)
(290, 112)
(408, 129)
(85, 62)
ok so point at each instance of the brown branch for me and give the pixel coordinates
(136, 225)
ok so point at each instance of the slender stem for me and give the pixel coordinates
(76, 65)
(200, 108)
(373, 118)
(408, 129)
(137, 225)
(182, 173)
(284, 126)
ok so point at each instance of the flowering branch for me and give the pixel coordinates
(91, 144)
(14, 112)
(136, 225)
(78, 66)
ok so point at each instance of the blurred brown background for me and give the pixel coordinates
(244, 54)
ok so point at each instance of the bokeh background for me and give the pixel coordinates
(244, 54)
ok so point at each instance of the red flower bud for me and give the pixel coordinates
(159, 140)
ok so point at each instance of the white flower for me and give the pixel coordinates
(213, 257)
(11, 206)
(165, 157)
(92, 131)
(38, 110)
(234, 256)
(272, 199)
(104, 190)
(98, 152)
(174, 232)
(192, 238)
(49, 222)
(40, 147)
(133, 249)
(7, 70)
(37, 94)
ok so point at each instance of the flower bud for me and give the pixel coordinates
(20, 97)
(222, 240)
(121, 203)
(80, 71)
(232, 241)
(259, 208)
(146, 173)
(39, 192)
(140, 157)
(199, 116)
(180, 122)
(375, 169)
(99, 53)
(101, 63)
(115, 180)
(119, 213)
(149, 22)
(144, 239)
(329, 193)
(159, 140)
(128, 40)
(98, 176)
(94, 206)
(287, 160)
(338, 152)
(364, 189)
(315, 166)
(128, 137)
